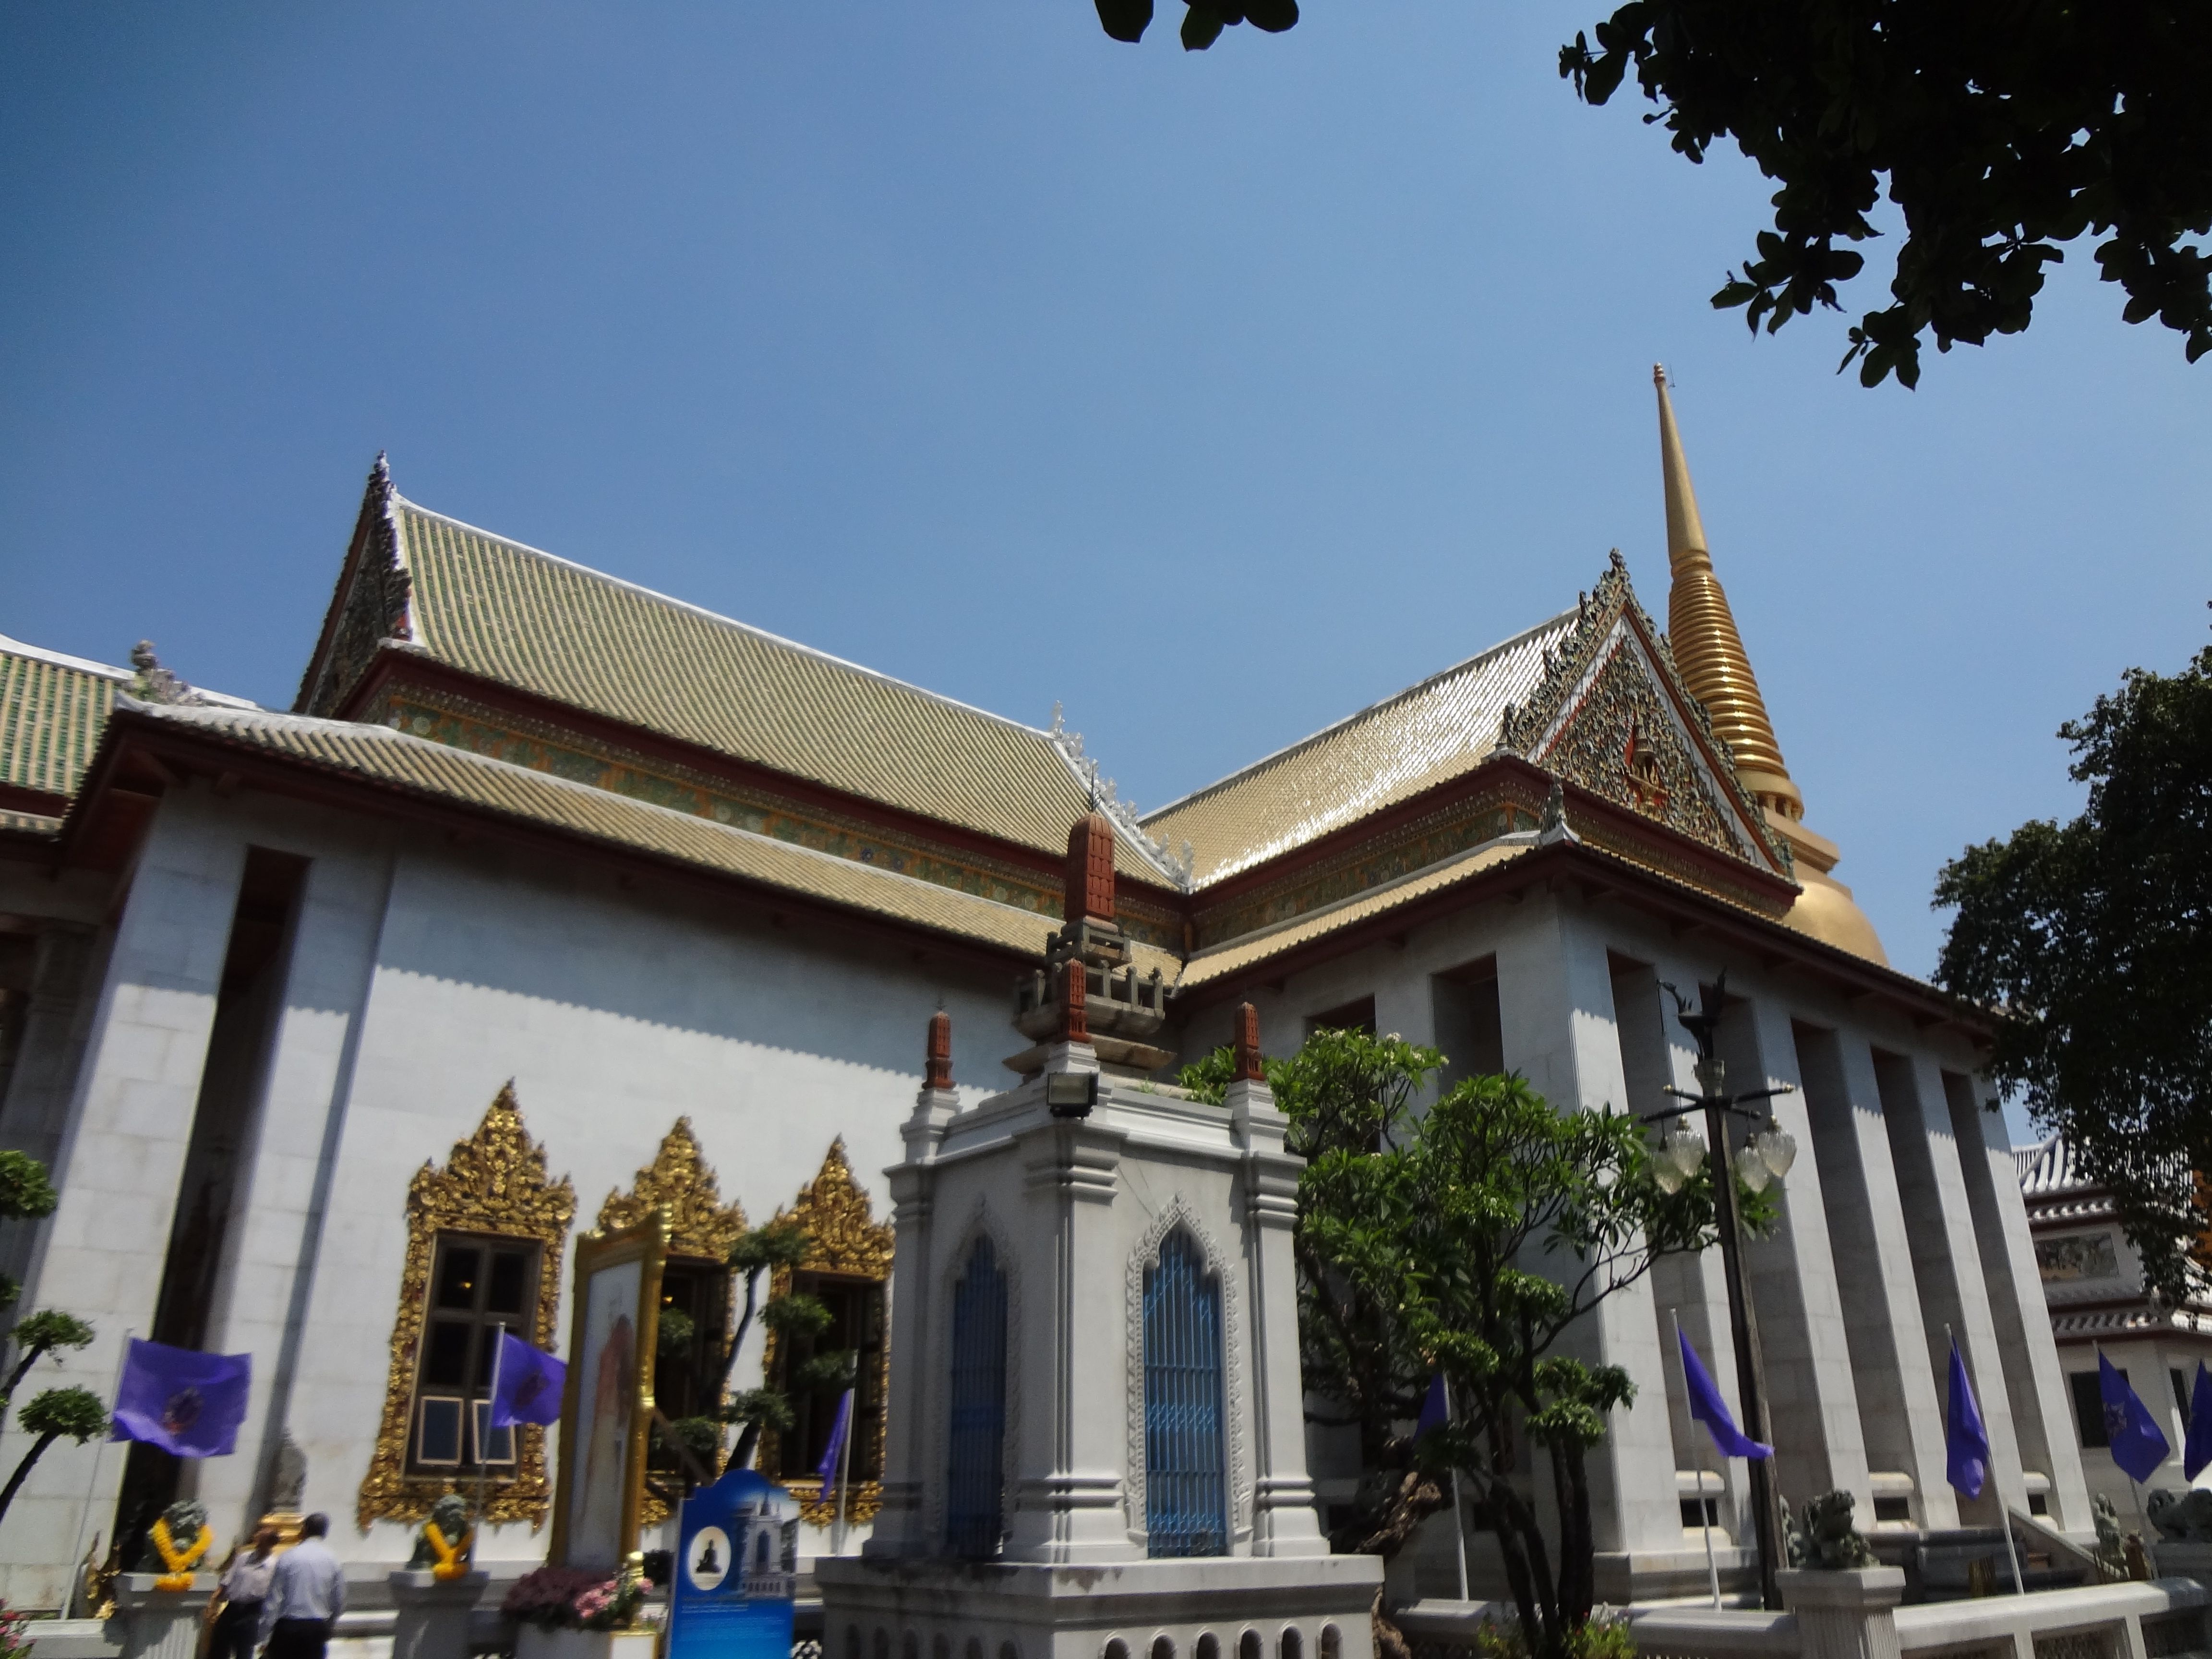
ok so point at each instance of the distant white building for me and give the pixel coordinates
(2093, 1280)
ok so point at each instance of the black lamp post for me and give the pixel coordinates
(1767, 1155)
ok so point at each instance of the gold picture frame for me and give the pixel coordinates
(617, 1283)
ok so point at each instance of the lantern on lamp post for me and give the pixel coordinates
(1764, 1158)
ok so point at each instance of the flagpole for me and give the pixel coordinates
(1705, 1511)
(844, 1468)
(2004, 1512)
(98, 1449)
(1459, 1521)
(491, 1404)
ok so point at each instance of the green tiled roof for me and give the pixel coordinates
(422, 769)
(52, 709)
(523, 618)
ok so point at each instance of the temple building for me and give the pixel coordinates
(551, 899)
(2093, 1280)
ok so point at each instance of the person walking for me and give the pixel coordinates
(245, 1588)
(305, 1596)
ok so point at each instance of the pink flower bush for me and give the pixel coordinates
(570, 1598)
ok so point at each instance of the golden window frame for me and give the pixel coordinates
(701, 1228)
(495, 1183)
(843, 1237)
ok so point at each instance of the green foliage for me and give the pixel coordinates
(1603, 1635)
(2095, 938)
(676, 1328)
(39, 1334)
(1203, 21)
(761, 1408)
(778, 1246)
(1468, 1239)
(797, 1315)
(780, 1243)
(1997, 131)
(74, 1412)
(26, 1195)
(700, 1437)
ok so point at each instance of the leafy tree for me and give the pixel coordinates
(1998, 131)
(779, 1246)
(26, 1195)
(2095, 938)
(1467, 1240)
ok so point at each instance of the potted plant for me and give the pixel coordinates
(577, 1613)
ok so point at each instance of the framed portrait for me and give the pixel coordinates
(606, 1406)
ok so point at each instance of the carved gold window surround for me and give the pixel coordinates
(702, 1227)
(493, 1183)
(844, 1237)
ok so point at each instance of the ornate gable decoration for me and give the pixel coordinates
(1611, 714)
(704, 1226)
(374, 604)
(495, 1182)
(840, 1223)
(843, 1237)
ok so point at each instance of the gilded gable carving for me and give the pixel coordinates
(1620, 743)
(844, 1236)
(701, 1224)
(493, 1183)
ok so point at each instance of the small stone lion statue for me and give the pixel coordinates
(442, 1544)
(2185, 1518)
(1822, 1537)
(180, 1538)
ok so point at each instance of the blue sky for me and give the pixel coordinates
(1215, 395)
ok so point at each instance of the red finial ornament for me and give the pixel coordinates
(1090, 869)
(941, 1051)
(1075, 1026)
(1247, 1040)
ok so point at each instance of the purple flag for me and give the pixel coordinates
(1965, 1441)
(827, 1469)
(1436, 1410)
(528, 1389)
(1706, 1406)
(2138, 1445)
(2196, 1449)
(180, 1400)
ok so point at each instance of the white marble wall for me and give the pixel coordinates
(425, 974)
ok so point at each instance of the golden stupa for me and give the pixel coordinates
(1709, 653)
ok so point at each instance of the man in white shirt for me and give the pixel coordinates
(305, 1596)
(245, 1588)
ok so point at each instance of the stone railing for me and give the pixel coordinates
(1857, 1616)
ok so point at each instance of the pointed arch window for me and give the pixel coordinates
(975, 1475)
(1186, 1488)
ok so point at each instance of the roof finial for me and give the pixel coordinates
(1702, 630)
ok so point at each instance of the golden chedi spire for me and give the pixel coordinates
(1709, 653)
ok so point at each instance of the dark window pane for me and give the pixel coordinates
(510, 1275)
(439, 1438)
(2089, 1409)
(446, 1357)
(2180, 1390)
(457, 1279)
(497, 1444)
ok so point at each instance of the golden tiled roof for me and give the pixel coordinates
(523, 618)
(421, 768)
(1383, 755)
(1256, 948)
(52, 710)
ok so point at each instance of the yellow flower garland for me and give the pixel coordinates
(453, 1559)
(179, 1562)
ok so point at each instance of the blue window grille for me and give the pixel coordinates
(973, 1523)
(1186, 1493)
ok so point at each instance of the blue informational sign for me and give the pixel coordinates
(736, 1571)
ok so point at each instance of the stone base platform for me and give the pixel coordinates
(1209, 1607)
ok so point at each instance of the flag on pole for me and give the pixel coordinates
(2138, 1445)
(2196, 1449)
(1436, 1410)
(180, 1400)
(1706, 1406)
(529, 1385)
(827, 1469)
(1965, 1440)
